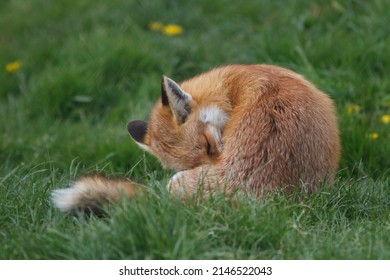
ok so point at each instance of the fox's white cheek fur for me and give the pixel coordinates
(214, 116)
(143, 147)
(216, 120)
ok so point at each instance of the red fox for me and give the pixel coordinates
(253, 128)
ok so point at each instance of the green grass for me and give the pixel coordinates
(90, 66)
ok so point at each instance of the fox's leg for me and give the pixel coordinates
(188, 182)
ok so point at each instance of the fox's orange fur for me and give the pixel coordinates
(248, 127)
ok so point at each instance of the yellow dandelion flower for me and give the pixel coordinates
(172, 30)
(385, 119)
(13, 66)
(353, 108)
(156, 26)
(373, 135)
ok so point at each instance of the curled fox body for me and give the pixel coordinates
(249, 127)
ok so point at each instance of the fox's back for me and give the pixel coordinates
(280, 128)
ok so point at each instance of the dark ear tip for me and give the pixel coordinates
(164, 97)
(164, 80)
(137, 130)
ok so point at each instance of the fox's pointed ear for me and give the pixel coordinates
(137, 130)
(176, 98)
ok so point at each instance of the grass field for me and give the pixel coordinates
(73, 72)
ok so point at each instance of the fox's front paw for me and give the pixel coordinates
(176, 184)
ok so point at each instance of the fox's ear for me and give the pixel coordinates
(137, 130)
(176, 98)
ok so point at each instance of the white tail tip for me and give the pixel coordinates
(66, 199)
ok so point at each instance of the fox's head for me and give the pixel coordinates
(181, 132)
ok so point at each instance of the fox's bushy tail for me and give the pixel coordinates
(89, 194)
